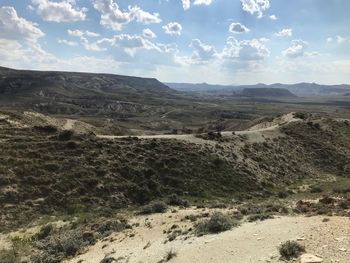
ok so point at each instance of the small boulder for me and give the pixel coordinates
(309, 258)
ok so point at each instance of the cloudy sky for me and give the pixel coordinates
(214, 41)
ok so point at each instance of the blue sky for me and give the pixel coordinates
(213, 41)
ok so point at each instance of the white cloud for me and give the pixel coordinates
(67, 42)
(255, 6)
(75, 33)
(62, 11)
(340, 39)
(254, 49)
(173, 28)
(186, 4)
(91, 34)
(297, 49)
(114, 18)
(17, 28)
(202, 2)
(136, 13)
(273, 17)
(238, 28)
(202, 52)
(287, 32)
(148, 33)
(79, 33)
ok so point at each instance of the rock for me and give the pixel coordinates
(309, 258)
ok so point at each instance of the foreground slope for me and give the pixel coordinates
(44, 170)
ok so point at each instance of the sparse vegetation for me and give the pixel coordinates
(217, 223)
(154, 207)
(168, 256)
(291, 249)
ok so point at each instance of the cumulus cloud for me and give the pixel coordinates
(254, 49)
(238, 28)
(114, 18)
(63, 11)
(186, 4)
(255, 6)
(79, 33)
(201, 52)
(91, 34)
(173, 28)
(148, 33)
(287, 32)
(340, 39)
(17, 28)
(67, 42)
(273, 17)
(297, 49)
(202, 2)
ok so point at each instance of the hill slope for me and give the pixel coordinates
(84, 93)
(266, 92)
(40, 175)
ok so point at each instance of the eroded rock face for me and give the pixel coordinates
(309, 258)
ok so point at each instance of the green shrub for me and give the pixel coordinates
(154, 207)
(174, 199)
(316, 189)
(168, 256)
(66, 135)
(44, 232)
(282, 194)
(56, 248)
(217, 223)
(291, 249)
(259, 217)
(9, 256)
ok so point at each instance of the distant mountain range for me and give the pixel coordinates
(299, 89)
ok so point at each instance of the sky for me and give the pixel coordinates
(195, 41)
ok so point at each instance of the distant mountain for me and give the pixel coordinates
(299, 89)
(85, 93)
(266, 92)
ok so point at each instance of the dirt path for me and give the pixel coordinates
(252, 136)
(69, 124)
(248, 243)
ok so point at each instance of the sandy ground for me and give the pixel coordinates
(250, 242)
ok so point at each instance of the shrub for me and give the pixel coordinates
(9, 256)
(316, 189)
(45, 129)
(154, 207)
(108, 260)
(217, 223)
(65, 135)
(44, 232)
(174, 199)
(291, 249)
(282, 194)
(259, 217)
(168, 256)
(56, 248)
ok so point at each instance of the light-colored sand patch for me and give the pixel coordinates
(248, 243)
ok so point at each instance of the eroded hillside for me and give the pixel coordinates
(47, 170)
